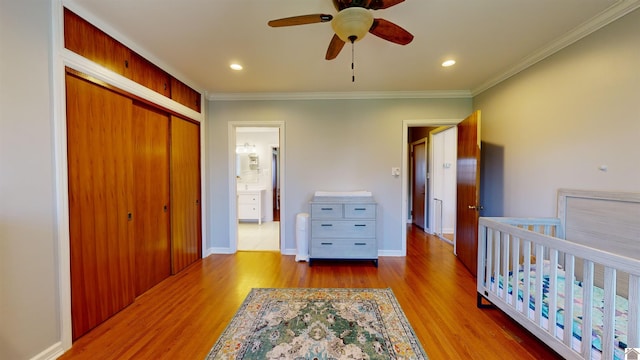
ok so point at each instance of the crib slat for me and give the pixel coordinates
(489, 258)
(609, 312)
(539, 284)
(568, 298)
(633, 335)
(496, 260)
(526, 296)
(515, 264)
(505, 264)
(587, 313)
(553, 290)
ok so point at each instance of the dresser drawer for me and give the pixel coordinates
(344, 249)
(326, 211)
(248, 198)
(248, 211)
(360, 211)
(344, 228)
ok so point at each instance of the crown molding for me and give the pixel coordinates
(355, 95)
(614, 12)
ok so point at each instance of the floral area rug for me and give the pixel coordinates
(318, 324)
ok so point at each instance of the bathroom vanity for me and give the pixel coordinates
(250, 203)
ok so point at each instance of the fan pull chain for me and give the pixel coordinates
(353, 72)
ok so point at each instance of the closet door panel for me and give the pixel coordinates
(186, 236)
(151, 191)
(100, 201)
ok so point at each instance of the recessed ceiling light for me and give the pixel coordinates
(235, 66)
(448, 63)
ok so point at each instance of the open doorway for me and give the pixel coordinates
(257, 188)
(432, 188)
(416, 132)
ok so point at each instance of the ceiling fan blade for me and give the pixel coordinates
(301, 20)
(390, 32)
(335, 46)
(383, 4)
(341, 4)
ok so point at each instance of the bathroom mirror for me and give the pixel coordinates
(247, 166)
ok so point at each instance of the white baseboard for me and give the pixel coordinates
(395, 253)
(52, 352)
(289, 252)
(217, 250)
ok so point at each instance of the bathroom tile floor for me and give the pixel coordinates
(259, 237)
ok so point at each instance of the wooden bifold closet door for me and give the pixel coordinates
(186, 236)
(134, 198)
(151, 194)
(100, 173)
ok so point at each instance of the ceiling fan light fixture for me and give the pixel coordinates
(236, 66)
(352, 24)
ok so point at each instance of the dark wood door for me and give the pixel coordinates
(151, 189)
(186, 235)
(468, 191)
(100, 168)
(419, 185)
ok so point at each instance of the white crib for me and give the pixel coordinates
(583, 267)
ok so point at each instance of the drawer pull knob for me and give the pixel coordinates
(326, 225)
(326, 243)
(360, 225)
(360, 209)
(326, 209)
(360, 244)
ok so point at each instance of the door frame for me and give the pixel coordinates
(405, 172)
(231, 151)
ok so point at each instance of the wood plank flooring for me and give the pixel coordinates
(182, 317)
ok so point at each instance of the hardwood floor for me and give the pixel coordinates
(182, 317)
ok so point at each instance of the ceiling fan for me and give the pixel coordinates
(352, 22)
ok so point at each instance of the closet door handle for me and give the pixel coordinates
(164, 208)
(326, 225)
(129, 216)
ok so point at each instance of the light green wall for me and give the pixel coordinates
(334, 145)
(557, 122)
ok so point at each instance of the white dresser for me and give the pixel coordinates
(343, 228)
(250, 205)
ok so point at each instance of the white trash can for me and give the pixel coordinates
(302, 237)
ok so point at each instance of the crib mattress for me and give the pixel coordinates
(620, 336)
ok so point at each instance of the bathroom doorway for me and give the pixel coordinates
(257, 190)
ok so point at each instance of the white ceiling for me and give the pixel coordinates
(489, 39)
